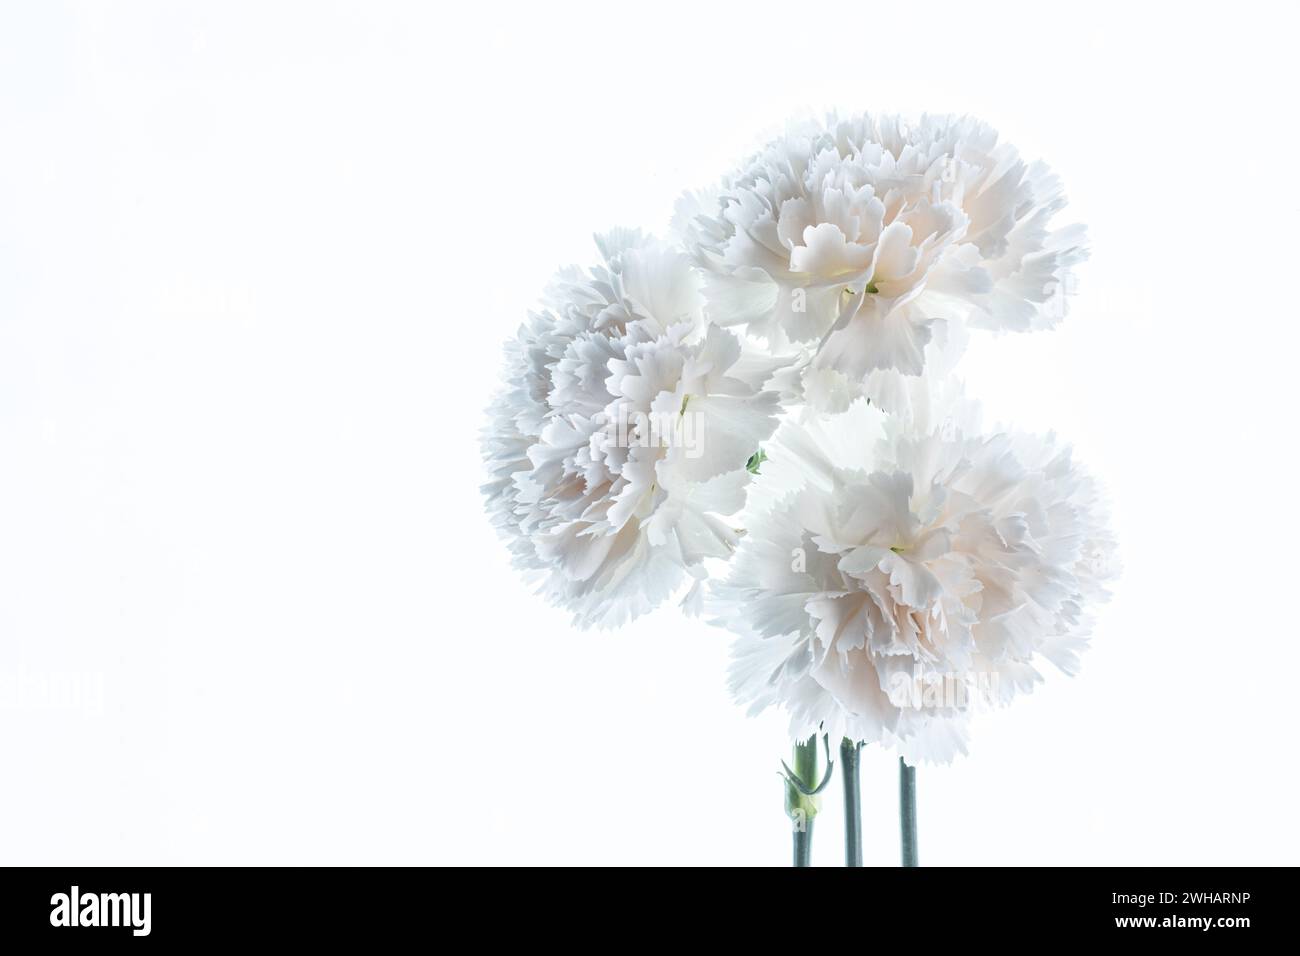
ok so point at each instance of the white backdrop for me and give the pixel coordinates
(256, 262)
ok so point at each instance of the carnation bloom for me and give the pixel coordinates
(620, 441)
(901, 571)
(850, 240)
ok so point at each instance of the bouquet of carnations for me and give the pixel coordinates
(759, 417)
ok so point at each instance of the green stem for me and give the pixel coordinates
(803, 842)
(850, 758)
(907, 811)
(801, 808)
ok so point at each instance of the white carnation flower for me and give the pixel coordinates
(620, 441)
(901, 571)
(853, 240)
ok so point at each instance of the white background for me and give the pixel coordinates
(256, 263)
